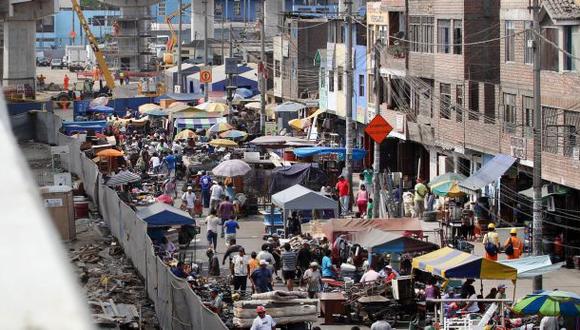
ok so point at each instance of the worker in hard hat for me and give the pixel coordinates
(491, 243)
(513, 246)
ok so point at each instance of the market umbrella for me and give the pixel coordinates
(110, 153)
(212, 107)
(253, 106)
(549, 303)
(122, 178)
(219, 127)
(299, 124)
(184, 135)
(290, 107)
(447, 185)
(230, 168)
(165, 199)
(101, 100)
(223, 143)
(244, 92)
(144, 108)
(233, 134)
(157, 113)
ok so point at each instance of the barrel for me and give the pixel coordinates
(81, 206)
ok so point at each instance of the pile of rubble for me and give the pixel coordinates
(116, 294)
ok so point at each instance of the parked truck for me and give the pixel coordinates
(76, 58)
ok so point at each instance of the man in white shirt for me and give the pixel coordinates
(241, 270)
(155, 163)
(217, 191)
(263, 321)
(370, 276)
(212, 222)
(189, 199)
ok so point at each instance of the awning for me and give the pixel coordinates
(161, 214)
(451, 263)
(547, 191)
(378, 241)
(532, 266)
(197, 123)
(357, 154)
(488, 173)
(184, 97)
(298, 197)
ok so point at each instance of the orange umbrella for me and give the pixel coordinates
(110, 153)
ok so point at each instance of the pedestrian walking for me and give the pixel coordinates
(312, 279)
(491, 243)
(262, 278)
(362, 199)
(513, 246)
(212, 222)
(241, 270)
(66, 82)
(289, 261)
(263, 321)
(231, 227)
(205, 185)
(343, 189)
(225, 211)
(213, 263)
(368, 175)
(188, 200)
(217, 192)
(253, 264)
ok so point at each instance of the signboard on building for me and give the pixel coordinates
(377, 13)
(231, 65)
(177, 89)
(205, 75)
(378, 129)
(518, 146)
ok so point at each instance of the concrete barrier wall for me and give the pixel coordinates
(176, 305)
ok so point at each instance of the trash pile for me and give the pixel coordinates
(285, 307)
(115, 293)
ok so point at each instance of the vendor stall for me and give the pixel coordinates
(300, 198)
(336, 227)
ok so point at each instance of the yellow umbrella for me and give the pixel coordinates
(212, 107)
(299, 124)
(223, 143)
(184, 135)
(149, 107)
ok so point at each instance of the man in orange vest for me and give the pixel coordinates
(513, 246)
(66, 81)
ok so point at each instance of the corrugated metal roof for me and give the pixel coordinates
(488, 173)
(562, 9)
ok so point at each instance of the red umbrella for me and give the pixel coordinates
(165, 199)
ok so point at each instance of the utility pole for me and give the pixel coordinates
(263, 67)
(180, 27)
(377, 146)
(537, 179)
(348, 88)
(205, 50)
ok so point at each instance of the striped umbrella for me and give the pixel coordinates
(212, 107)
(447, 185)
(223, 143)
(122, 178)
(184, 135)
(233, 134)
(219, 127)
(549, 303)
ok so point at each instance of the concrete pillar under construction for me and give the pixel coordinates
(198, 19)
(19, 60)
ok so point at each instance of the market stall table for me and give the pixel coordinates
(331, 303)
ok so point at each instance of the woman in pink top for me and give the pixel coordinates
(362, 198)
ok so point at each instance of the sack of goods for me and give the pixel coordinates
(284, 307)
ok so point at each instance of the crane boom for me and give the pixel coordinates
(173, 39)
(94, 45)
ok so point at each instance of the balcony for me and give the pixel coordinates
(394, 59)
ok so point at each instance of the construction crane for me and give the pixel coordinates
(168, 57)
(102, 63)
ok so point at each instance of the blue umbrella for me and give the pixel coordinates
(549, 303)
(244, 92)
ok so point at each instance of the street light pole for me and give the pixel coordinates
(205, 49)
(180, 30)
(263, 69)
(348, 87)
(377, 146)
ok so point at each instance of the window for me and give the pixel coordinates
(218, 10)
(550, 129)
(510, 40)
(162, 11)
(550, 57)
(459, 103)
(445, 101)
(473, 100)
(444, 36)
(509, 112)
(489, 104)
(572, 124)
(528, 115)
(372, 91)
(340, 77)
(237, 8)
(322, 78)
(361, 85)
(421, 33)
(572, 46)
(457, 37)
(528, 43)
(98, 21)
(277, 68)
(331, 81)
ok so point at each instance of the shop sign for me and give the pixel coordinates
(53, 202)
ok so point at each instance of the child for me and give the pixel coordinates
(370, 209)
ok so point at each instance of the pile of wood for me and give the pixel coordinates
(284, 307)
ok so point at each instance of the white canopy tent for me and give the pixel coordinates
(299, 198)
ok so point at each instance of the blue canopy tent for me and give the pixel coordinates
(164, 215)
(357, 154)
(102, 109)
